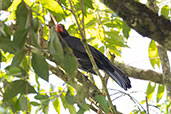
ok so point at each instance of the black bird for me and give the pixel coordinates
(102, 62)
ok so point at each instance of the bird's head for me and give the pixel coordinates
(62, 31)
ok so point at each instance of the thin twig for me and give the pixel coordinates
(146, 100)
(132, 99)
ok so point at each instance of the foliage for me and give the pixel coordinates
(21, 30)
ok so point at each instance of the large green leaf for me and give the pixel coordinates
(16, 71)
(5, 4)
(21, 15)
(69, 64)
(54, 8)
(18, 57)
(55, 46)
(103, 102)
(23, 102)
(165, 11)
(15, 87)
(153, 54)
(20, 37)
(7, 45)
(150, 90)
(40, 66)
(160, 92)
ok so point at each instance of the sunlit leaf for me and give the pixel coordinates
(115, 39)
(14, 4)
(103, 102)
(165, 11)
(160, 92)
(150, 90)
(56, 105)
(54, 7)
(40, 66)
(153, 54)
(46, 32)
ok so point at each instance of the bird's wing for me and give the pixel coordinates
(76, 44)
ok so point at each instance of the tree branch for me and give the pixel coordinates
(166, 69)
(143, 20)
(137, 73)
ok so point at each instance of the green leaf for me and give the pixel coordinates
(18, 58)
(4, 31)
(35, 24)
(81, 110)
(54, 8)
(64, 102)
(24, 63)
(19, 38)
(165, 11)
(40, 66)
(71, 109)
(103, 102)
(15, 87)
(55, 46)
(21, 15)
(69, 64)
(5, 4)
(115, 39)
(23, 102)
(16, 71)
(153, 54)
(150, 90)
(7, 45)
(56, 105)
(34, 38)
(41, 97)
(160, 92)
(34, 103)
(69, 98)
(126, 29)
(88, 4)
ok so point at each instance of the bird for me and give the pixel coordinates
(102, 62)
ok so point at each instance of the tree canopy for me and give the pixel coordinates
(30, 50)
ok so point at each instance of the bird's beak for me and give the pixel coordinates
(59, 28)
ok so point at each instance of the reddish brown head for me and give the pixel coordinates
(59, 28)
(62, 31)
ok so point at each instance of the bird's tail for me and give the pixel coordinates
(119, 77)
